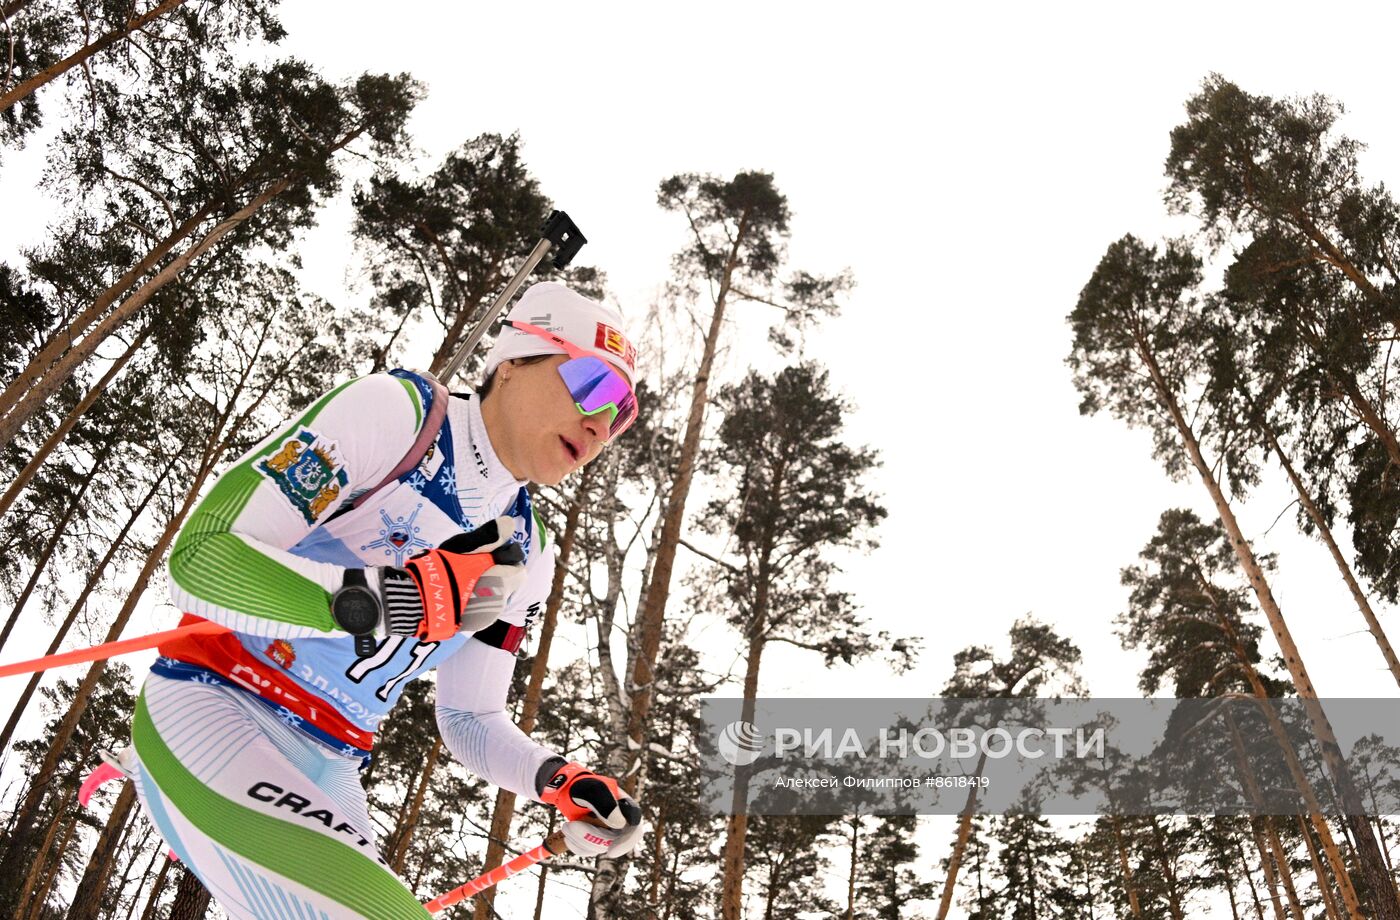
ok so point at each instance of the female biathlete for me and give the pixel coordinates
(374, 513)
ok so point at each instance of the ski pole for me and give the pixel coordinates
(559, 234)
(110, 649)
(553, 845)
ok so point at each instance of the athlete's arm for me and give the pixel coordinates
(229, 563)
(471, 715)
(472, 686)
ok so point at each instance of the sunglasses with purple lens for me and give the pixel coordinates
(595, 385)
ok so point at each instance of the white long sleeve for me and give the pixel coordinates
(472, 687)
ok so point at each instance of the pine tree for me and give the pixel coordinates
(1192, 620)
(884, 880)
(1309, 296)
(798, 494)
(981, 900)
(253, 157)
(447, 243)
(1268, 406)
(1032, 867)
(113, 43)
(1276, 172)
(1040, 662)
(1136, 353)
(32, 859)
(735, 253)
(785, 853)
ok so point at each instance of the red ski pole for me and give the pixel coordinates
(110, 649)
(553, 845)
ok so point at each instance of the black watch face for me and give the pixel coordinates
(355, 610)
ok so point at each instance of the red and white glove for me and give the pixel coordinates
(602, 819)
(461, 585)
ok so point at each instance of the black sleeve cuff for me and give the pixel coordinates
(547, 771)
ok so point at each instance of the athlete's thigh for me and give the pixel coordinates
(267, 840)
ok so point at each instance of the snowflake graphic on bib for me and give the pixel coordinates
(399, 536)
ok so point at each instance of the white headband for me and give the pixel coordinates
(590, 325)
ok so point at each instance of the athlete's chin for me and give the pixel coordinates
(560, 463)
(552, 476)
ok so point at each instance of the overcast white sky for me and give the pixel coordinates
(969, 163)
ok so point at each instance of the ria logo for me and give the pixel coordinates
(740, 743)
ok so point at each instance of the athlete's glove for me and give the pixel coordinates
(602, 819)
(461, 585)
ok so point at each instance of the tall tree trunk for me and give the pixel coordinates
(404, 836)
(1125, 868)
(611, 874)
(77, 412)
(616, 688)
(191, 898)
(469, 302)
(1295, 769)
(81, 601)
(539, 667)
(960, 843)
(39, 903)
(136, 855)
(1385, 844)
(98, 873)
(78, 57)
(539, 892)
(55, 538)
(776, 880)
(658, 859)
(1371, 416)
(1265, 864)
(855, 862)
(732, 865)
(1229, 889)
(1379, 821)
(1285, 871)
(1234, 908)
(1333, 254)
(62, 339)
(28, 808)
(732, 858)
(137, 851)
(544, 872)
(1385, 902)
(1329, 903)
(1173, 886)
(653, 614)
(1253, 891)
(157, 887)
(36, 866)
(1275, 848)
(671, 882)
(1373, 624)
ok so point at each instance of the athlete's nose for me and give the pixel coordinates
(597, 425)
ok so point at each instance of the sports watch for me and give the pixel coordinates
(356, 609)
